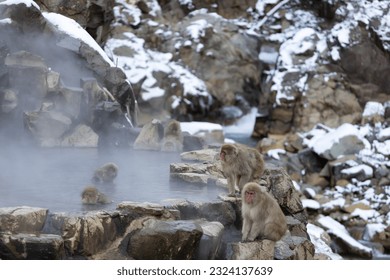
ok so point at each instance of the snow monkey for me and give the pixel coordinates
(91, 195)
(105, 173)
(262, 216)
(240, 165)
(173, 137)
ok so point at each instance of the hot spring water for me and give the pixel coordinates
(55, 178)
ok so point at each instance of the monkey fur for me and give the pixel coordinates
(91, 195)
(262, 216)
(106, 173)
(240, 165)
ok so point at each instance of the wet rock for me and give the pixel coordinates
(164, 240)
(24, 246)
(138, 209)
(294, 248)
(84, 235)
(150, 136)
(22, 219)
(47, 127)
(219, 211)
(211, 240)
(258, 250)
(204, 155)
(296, 227)
(82, 136)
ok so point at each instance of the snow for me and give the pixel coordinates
(323, 143)
(311, 204)
(244, 126)
(368, 171)
(28, 3)
(383, 148)
(74, 30)
(144, 63)
(321, 247)
(197, 29)
(274, 153)
(365, 214)
(339, 202)
(194, 128)
(373, 108)
(371, 230)
(384, 134)
(311, 192)
(341, 232)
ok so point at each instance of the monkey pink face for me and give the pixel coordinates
(222, 156)
(249, 196)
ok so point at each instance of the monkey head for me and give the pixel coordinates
(251, 192)
(228, 151)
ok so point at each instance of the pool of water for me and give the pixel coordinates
(55, 178)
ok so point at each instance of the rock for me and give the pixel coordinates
(294, 248)
(373, 113)
(150, 136)
(344, 140)
(164, 240)
(22, 219)
(219, 211)
(257, 250)
(82, 137)
(24, 246)
(343, 240)
(311, 161)
(137, 209)
(47, 127)
(296, 227)
(88, 15)
(321, 241)
(204, 155)
(83, 235)
(280, 185)
(211, 240)
(52, 102)
(361, 172)
(192, 178)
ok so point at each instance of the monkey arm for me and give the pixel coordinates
(255, 231)
(246, 226)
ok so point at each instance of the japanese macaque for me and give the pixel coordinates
(240, 165)
(262, 216)
(173, 137)
(91, 195)
(105, 174)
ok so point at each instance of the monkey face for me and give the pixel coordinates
(222, 155)
(249, 196)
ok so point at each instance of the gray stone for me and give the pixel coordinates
(211, 240)
(257, 250)
(22, 219)
(164, 240)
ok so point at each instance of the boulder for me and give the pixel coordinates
(22, 219)
(164, 240)
(28, 246)
(257, 250)
(211, 240)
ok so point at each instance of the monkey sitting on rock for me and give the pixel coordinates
(240, 165)
(91, 195)
(106, 173)
(262, 216)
